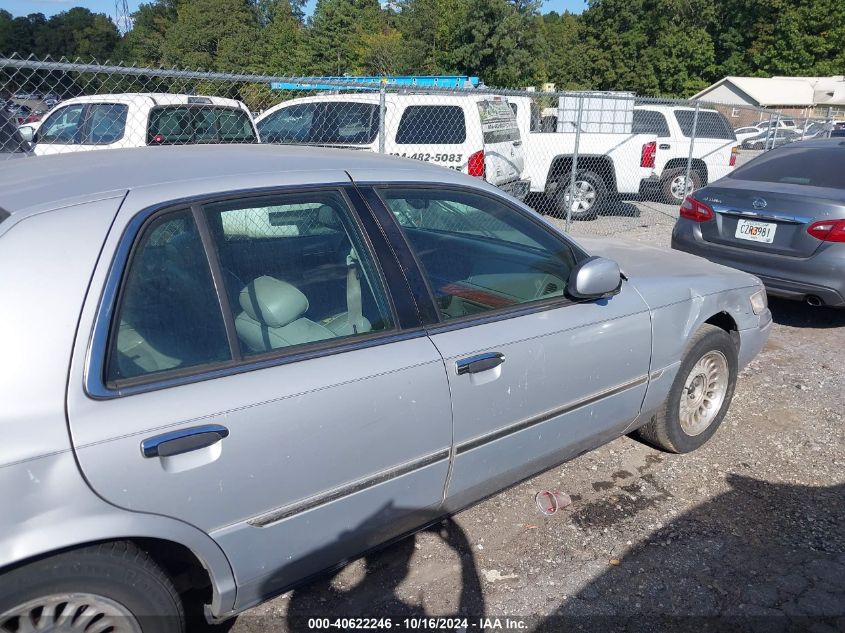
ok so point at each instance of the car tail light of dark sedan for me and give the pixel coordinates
(695, 210)
(828, 230)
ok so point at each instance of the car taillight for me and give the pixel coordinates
(828, 230)
(648, 154)
(475, 164)
(734, 151)
(695, 210)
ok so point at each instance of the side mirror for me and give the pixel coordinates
(27, 133)
(595, 278)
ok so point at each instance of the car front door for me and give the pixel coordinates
(256, 371)
(535, 377)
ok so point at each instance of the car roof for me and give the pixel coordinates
(815, 142)
(410, 98)
(152, 99)
(52, 182)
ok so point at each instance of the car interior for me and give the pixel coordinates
(477, 259)
(292, 276)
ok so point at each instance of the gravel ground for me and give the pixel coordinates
(745, 534)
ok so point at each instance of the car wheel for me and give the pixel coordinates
(590, 195)
(108, 587)
(674, 185)
(700, 395)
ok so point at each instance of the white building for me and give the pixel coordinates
(796, 96)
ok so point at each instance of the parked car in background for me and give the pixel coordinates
(838, 130)
(781, 217)
(18, 112)
(11, 143)
(771, 138)
(137, 119)
(473, 134)
(261, 362)
(713, 150)
(781, 124)
(609, 164)
(743, 133)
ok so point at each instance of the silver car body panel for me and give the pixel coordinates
(388, 460)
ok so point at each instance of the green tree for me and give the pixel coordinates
(282, 39)
(338, 34)
(213, 35)
(499, 41)
(143, 43)
(429, 31)
(562, 55)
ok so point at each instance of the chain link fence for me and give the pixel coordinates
(610, 164)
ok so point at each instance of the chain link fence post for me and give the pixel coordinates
(574, 169)
(381, 112)
(691, 146)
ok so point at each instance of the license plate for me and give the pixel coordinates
(756, 231)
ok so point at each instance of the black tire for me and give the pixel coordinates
(118, 572)
(584, 177)
(665, 430)
(669, 192)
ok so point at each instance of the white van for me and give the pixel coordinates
(139, 119)
(475, 134)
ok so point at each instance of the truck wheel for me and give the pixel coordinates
(111, 586)
(674, 186)
(590, 196)
(700, 395)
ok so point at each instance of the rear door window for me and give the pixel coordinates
(105, 124)
(650, 122)
(432, 125)
(813, 166)
(322, 123)
(177, 125)
(709, 125)
(297, 271)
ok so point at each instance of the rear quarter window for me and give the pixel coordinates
(432, 125)
(811, 166)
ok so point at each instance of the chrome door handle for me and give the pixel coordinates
(664, 146)
(517, 143)
(482, 362)
(183, 441)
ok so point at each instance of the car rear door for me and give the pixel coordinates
(768, 204)
(713, 142)
(230, 396)
(535, 378)
(504, 158)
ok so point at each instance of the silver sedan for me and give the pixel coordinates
(230, 368)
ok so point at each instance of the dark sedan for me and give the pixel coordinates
(781, 217)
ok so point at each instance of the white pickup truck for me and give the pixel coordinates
(714, 149)
(609, 164)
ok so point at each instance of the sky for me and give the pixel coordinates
(49, 7)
